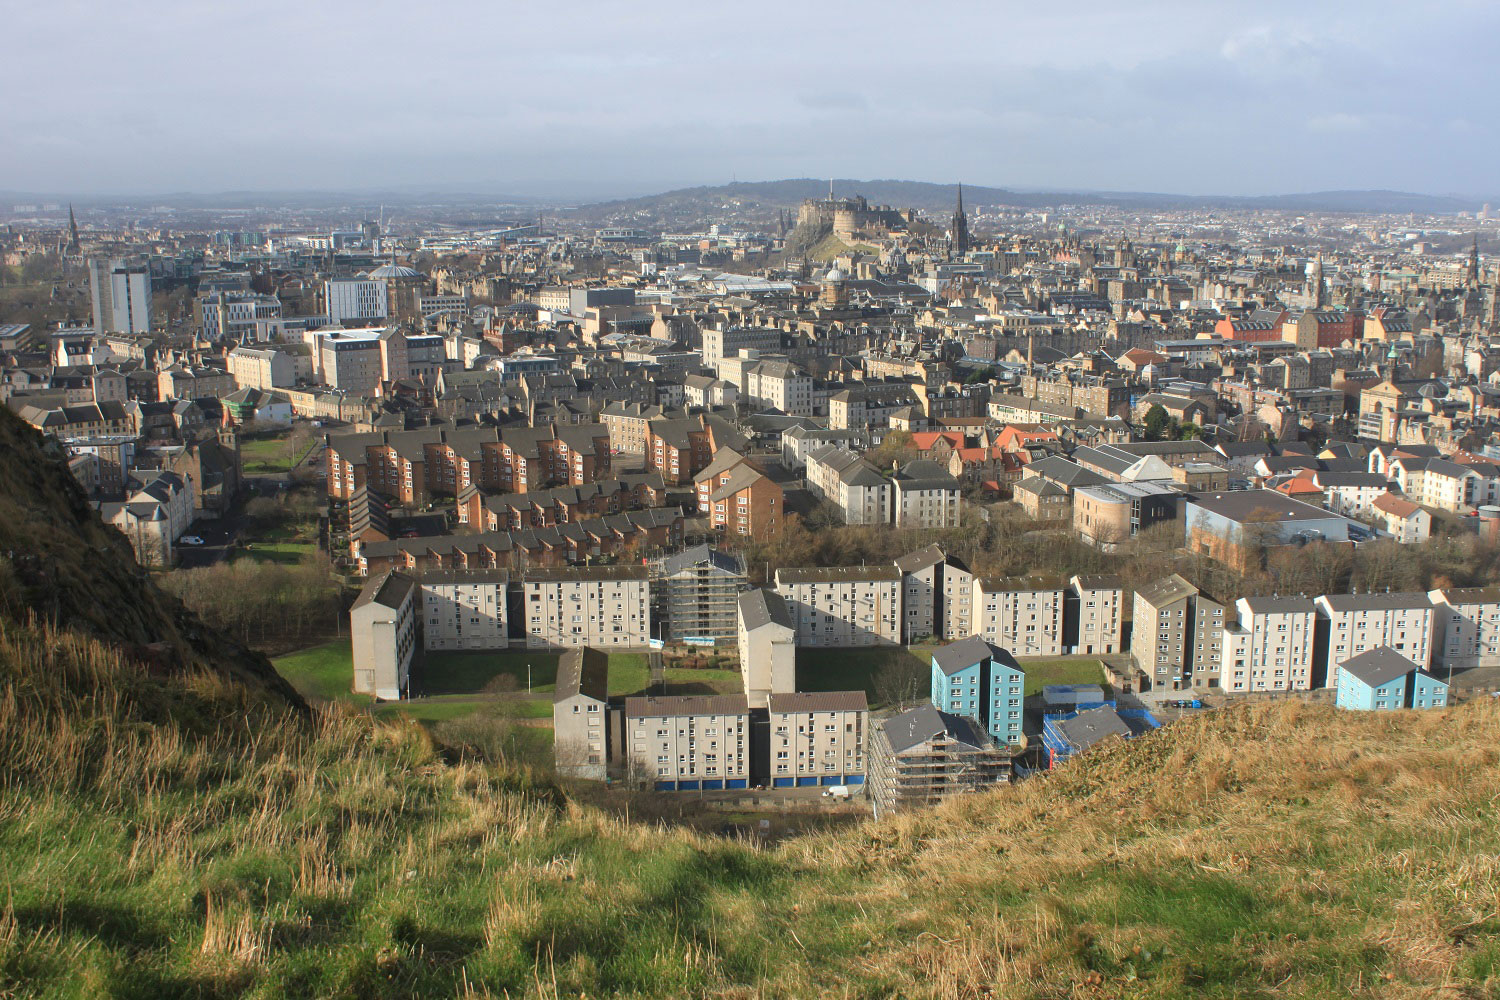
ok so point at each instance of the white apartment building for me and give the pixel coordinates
(688, 742)
(844, 606)
(464, 609)
(383, 630)
(924, 495)
(845, 479)
(1467, 627)
(238, 315)
(1358, 623)
(778, 384)
(1352, 494)
(1021, 614)
(1101, 602)
(767, 636)
(351, 361)
(608, 607)
(355, 299)
(257, 368)
(1270, 645)
(818, 738)
(958, 601)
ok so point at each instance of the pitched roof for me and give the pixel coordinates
(818, 701)
(582, 671)
(1378, 666)
(965, 653)
(762, 606)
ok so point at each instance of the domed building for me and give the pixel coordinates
(403, 285)
(835, 288)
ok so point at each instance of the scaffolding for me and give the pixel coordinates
(933, 770)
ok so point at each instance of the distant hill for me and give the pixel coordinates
(941, 197)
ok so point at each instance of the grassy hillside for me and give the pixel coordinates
(1280, 850)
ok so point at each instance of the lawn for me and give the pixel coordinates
(629, 673)
(685, 680)
(1040, 673)
(324, 672)
(883, 673)
(471, 673)
(432, 710)
(267, 456)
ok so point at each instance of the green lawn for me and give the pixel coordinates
(471, 673)
(685, 680)
(629, 673)
(1040, 673)
(268, 456)
(442, 710)
(324, 672)
(883, 673)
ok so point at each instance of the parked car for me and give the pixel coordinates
(190, 540)
(836, 792)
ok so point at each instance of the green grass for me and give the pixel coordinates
(445, 709)
(325, 671)
(471, 673)
(1040, 673)
(687, 680)
(883, 673)
(628, 673)
(172, 835)
(267, 456)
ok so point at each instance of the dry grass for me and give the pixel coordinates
(172, 837)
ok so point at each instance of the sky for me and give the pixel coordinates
(581, 100)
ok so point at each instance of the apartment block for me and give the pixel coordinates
(580, 714)
(383, 625)
(1021, 614)
(817, 738)
(696, 594)
(688, 742)
(923, 756)
(1092, 614)
(1382, 680)
(1178, 635)
(1357, 623)
(464, 609)
(980, 681)
(603, 606)
(1467, 623)
(767, 635)
(1269, 645)
(844, 606)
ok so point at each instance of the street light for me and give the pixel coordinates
(528, 677)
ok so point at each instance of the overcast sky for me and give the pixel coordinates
(582, 99)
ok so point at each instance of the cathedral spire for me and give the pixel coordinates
(958, 230)
(74, 246)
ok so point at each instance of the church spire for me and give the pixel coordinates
(958, 230)
(74, 246)
(1473, 274)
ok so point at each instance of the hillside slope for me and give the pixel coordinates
(61, 565)
(1270, 851)
(183, 832)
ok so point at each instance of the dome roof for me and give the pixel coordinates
(385, 272)
(834, 274)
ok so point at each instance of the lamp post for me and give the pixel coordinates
(528, 677)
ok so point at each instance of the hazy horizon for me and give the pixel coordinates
(600, 101)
